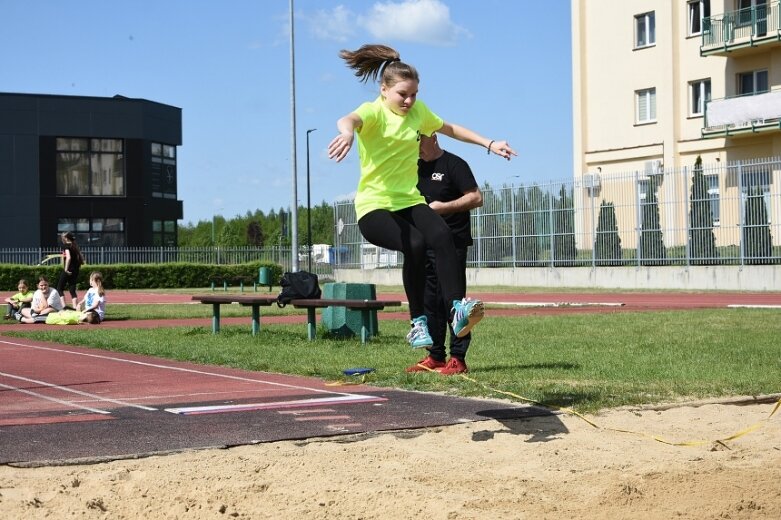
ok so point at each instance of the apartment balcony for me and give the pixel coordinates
(743, 115)
(740, 32)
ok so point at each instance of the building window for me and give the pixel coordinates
(90, 167)
(645, 30)
(698, 9)
(751, 83)
(699, 95)
(95, 232)
(163, 171)
(713, 196)
(645, 106)
(164, 233)
(753, 12)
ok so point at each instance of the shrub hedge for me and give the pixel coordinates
(140, 276)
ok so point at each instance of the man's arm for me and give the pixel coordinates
(469, 200)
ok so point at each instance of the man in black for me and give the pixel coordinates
(450, 188)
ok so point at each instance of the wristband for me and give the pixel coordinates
(489, 147)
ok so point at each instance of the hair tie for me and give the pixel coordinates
(385, 65)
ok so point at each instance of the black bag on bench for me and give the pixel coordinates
(300, 285)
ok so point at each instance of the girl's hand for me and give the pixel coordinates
(340, 145)
(502, 149)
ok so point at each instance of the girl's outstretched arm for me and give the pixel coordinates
(342, 143)
(500, 148)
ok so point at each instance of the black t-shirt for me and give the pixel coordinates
(446, 179)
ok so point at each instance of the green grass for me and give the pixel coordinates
(586, 361)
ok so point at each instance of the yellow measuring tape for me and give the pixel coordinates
(657, 438)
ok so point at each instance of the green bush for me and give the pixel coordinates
(140, 276)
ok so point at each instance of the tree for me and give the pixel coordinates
(702, 240)
(255, 234)
(527, 245)
(607, 246)
(652, 251)
(757, 239)
(564, 251)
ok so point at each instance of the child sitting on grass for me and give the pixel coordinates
(94, 302)
(19, 300)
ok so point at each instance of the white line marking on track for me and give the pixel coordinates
(54, 399)
(752, 306)
(557, 304)
(352, 398)
(176, 369)
(78, 392)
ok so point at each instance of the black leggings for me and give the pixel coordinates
(68, 280)
(413, 230)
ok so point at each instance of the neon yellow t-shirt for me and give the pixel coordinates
(23, 296)
(388, 146)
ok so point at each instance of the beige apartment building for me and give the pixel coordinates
(657, 83)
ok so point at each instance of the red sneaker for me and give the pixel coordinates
(428, 363)
(454, 366)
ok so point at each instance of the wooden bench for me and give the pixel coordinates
(225, 281)
(250, 301)
(365, 306)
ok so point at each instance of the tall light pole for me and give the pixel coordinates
(293, 164)
(308, 204)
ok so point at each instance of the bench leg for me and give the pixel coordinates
(365, 317)
(225, 286)
(215, 318)
(255, 319)
(311, 323)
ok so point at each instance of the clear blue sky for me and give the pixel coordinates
(501, 68)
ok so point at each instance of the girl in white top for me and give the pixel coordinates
(94, 302)
(45, 301)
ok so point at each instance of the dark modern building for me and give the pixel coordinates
(104, 168)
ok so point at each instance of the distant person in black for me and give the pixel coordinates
(450, 189)
(70, 274)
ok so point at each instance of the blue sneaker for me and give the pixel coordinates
(418, 336)
(466, 314)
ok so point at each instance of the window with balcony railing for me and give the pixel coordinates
(753, 82)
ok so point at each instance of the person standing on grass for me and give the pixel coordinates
(45, 300)
(450, 188)
(73, 262)
(93, 306)
(391, 211)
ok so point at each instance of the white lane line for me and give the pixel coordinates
(196, 410)
(175, 369)
(54, 399)
(558, 304)
(752, 306)
(78, 392)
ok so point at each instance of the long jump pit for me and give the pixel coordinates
(66, 405)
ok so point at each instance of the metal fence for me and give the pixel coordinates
(716, 214)
(146, 255)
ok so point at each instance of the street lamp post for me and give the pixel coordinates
(308, 204)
